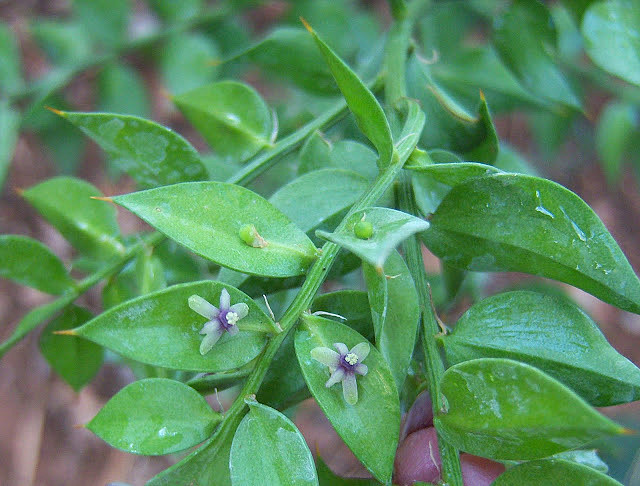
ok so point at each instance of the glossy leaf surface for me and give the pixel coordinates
(29, 262)
(390, 228)
(395, 313)
(319, 153)
(155, 416)
(553, 471)
(524, 38)
(370, 427)
(75, 360)
(513, 222)
(232, 117)
(611, 37)
(315, 197)
(267, 445)
(160, 329)
(552, 334)
(150, 153)
(363, 104)
(206, 217)
(503, 409)
(456, 173)
(89, 225)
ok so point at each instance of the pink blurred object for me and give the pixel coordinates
(420, 415)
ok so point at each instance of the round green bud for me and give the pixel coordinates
(249, 234)
(363, 230)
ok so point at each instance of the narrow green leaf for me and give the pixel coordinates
(29, 262)
(33, 319)
(65, 43)
(290, 54)
(315, 197)
(232, 117)
(370, 427)
(319, 153)
(152, 154)
(411, 130)
(211, 227)
(525, 39)
(10, 64)
(188, 62)
(89, 225)
(76, 361)
(363, 104)
(160, 329)
(456, 173)
(553, 471)
(390, 228)
(155, 416)
(105, 21)
(552, 334)
(612, 37)
(122, 90)
(617, 126)
(515, 222)
(9, 132)
(395, 313)
(503, 409)
(268, 446)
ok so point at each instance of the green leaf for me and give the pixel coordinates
(149, 272)
(514, 222)
(172, 11)
(611, 37)
(363, 104)
(150, 153)
(319, 153)
(390, 228)
(9, 132)
(617, 127)
(326, 477)
(188, 62)
(29, 262)
(89, 225)
(77, 361)
(583, 457)
(456, 173)
(33, 319)
(155, 416)
(315, 197)
(395, 313)
(525, 39)
(122, 90)
(160, 329)
(267, 445)
(452, 126)
(552, 334)
(553, 471)
(232, 117)
(211, 226)
(64, 43)
(10, 65)
(290, 54)
(105, 21)
(503, 409)
(370, 427)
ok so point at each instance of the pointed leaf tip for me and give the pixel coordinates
(306, 24)
(57, 112)
(66, 332)
(99, 198)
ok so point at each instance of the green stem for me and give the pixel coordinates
(451, 472)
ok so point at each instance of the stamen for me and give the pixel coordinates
(232, 318)
(351, 358)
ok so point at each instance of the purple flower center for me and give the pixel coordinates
(227, 318)
(348, 362)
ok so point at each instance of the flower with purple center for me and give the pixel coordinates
(343, 366)
(221, 319)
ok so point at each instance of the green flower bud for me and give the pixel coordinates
(363, 230)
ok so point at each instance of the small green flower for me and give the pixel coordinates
(343, 366)
(221, 319)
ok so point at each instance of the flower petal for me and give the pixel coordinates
(209, 340)
(361, 350)
(241, 309)
(361, 369)
(225, 300)
(233, 330)
(211, 326)
(342, 348)
(202, 307)
(350, 389)
(326, 356)
(335, 377)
